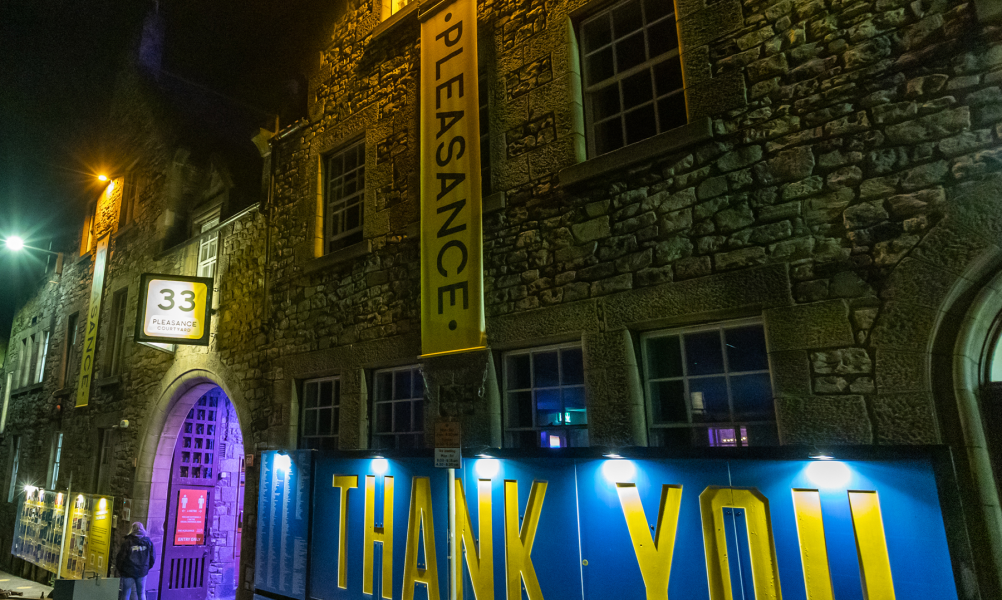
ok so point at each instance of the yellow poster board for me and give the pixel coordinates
(452, 278)
(38, 532)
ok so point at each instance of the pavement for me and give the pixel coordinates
(28, 588)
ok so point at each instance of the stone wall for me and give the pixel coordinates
(830, 182)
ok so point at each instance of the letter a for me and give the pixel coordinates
(518, 545)
(420, 528)
(480, 564)
(653, 555)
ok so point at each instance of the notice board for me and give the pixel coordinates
(283, 523)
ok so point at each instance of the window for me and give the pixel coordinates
(116, 338)
(709, 386)
(6, 403)
(321, 401)
(102, 472)
(87, 235)
(344, 192)
(42, 354)
(398, 408)
(135, 185)
(208, 251)
(632, 74)
(545, 395)
(392, 7)
(55, 457)
(15, 459)
(24, 360)
(70, 354)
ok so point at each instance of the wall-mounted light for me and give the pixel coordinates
(487, 468)
(380, 465)
(829, 474)
(618, 470)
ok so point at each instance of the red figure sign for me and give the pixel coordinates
(191, 506)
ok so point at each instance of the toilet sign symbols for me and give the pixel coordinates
(190, 526)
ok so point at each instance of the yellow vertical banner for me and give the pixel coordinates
(93, 316)
(452, 281)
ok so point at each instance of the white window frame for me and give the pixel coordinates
(55, 459)
(43, 353)
(24, 360)
(721, 427)
(335, 209)
(14, 465)
(512, 432)
(590, 89)
(322, 440)
(393, 438)
(6, 402)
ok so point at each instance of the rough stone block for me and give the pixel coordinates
(930, 127)
(594, 229)
(841, 361)
(788, 165)
(904, 418)
(823, 420)
(802, 327)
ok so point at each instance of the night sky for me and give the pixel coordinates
(58, 61)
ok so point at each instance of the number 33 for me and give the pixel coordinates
(189, 299)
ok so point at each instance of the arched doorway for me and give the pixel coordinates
(196, 498)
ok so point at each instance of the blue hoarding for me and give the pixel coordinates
(283, 518)
(598, 528)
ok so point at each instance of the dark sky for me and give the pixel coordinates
(58, 60)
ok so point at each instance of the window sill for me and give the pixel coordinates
(494, 202)
(124, 231)
(339, 256)
(62, 392)
(677, 139)
(108, 381)
(84, 257)
(394, 20)
(28, 388)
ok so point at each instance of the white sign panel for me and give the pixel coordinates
(174, 309)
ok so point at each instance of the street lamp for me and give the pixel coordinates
(16, 244)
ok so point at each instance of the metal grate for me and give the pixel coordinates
(186, 573)
(194, 461)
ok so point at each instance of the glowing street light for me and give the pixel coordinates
(102, 178)
(16, 244)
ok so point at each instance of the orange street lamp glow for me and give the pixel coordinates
(102, 178)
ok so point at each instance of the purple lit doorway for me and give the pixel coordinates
(204, 510)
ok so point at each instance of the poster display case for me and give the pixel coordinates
(39, 532)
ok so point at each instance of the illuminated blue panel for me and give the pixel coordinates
(583, 548)
(327, 514)
(283, 523)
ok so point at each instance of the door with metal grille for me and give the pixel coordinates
(184, 572)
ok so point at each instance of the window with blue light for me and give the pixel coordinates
(545, 398)
(709, 386)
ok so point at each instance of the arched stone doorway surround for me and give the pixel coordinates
(180, 388)
(930, 340)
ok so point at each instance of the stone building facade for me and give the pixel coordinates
(831, 192)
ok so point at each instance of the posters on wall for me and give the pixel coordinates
(38, 532)
(283, 519)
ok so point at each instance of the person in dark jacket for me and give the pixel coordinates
(135, 559)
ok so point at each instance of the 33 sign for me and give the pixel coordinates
(175, 309)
